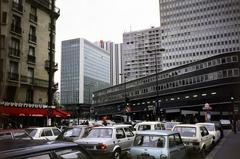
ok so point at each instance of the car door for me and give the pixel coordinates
(204, 137)
(122, 140)
(180, 146)
(130, 136)
(208, 137)
(173, 149)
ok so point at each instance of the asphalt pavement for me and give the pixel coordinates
(227, 148)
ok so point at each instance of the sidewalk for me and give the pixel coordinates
(227, 148)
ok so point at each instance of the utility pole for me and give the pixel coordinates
(51, 61)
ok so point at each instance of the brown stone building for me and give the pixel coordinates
(25, 29)
(25, 45)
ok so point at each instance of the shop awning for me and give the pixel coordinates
(34, 112)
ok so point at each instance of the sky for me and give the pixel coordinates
(105, 20)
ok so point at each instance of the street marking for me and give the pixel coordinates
(218, 146)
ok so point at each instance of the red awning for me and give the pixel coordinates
(35, 112)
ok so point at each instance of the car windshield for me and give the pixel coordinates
(186, 131)
(144, 127)
(149, 141)
(169, 125)
(100, 133)
(31, 132)
(72, 132)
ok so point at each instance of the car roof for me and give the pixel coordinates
(149, 122)
(205, 123)
(18, 148)
(113, 126)
(40, 127)
(156, 132)
(186, 125)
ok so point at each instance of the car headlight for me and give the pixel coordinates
(101, 146)
(162, 156)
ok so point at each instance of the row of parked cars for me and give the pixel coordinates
(146, 140)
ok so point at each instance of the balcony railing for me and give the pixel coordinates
(32, 38)
(34, 81)
(33, 17)
(14, 52)
(16, 29)
(31, 59)
(47, 4)
(13, 76)
(17, 6)
(55, 65)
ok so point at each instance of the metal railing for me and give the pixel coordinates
(32, 38)
(31, 58)
(34, 81)
(13, 76)
(16, 29)
(33, 17)
(14, 52)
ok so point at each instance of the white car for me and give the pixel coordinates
(212, 129)
(194, 137)
(43, 133)
(149, 125)
(108, 141)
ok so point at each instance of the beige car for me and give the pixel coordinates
(194, 137)
(149, 125)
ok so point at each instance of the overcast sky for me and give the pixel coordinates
(105, 20)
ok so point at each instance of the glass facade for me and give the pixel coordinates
(85, 68)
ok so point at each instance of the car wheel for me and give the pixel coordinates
(116, 154)
(203, 151)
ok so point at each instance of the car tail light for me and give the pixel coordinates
(101, 146)
(162, 156)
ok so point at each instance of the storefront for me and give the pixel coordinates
(17, 115)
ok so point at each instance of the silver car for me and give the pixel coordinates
(157, 144)
(108, 141)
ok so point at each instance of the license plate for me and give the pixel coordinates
(89, 147)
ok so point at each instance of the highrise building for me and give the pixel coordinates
(115, 51)
(85, 68)
(197, 29)
(139, 50)
(24, 57)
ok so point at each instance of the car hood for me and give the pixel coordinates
(93, 140)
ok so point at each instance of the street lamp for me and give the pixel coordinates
(125, 90)
(157, 106)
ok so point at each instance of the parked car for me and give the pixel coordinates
(213, 130)
(157, 144)
(43, 133)
(226, 124)
(149, 125)
(170, 125)
(20, 149)
(14, 134)
(74, 133)
(194, 137)
(108, 141)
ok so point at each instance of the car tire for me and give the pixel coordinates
(203, 151)
(116, 154)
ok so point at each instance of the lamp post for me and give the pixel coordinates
(125, 91)
(157, 106)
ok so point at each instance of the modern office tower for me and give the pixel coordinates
(139, 50)
(196, 29)
(24, 57)
(85, 68)
(115, 51)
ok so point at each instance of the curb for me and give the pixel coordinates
(215, 150)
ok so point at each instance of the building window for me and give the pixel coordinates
(33, 14)
(32, 34)
(31, 54)
(4, 17)
(30, 75)
(13, 72)
(14, 49)
(16, 24)
(2, 42)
